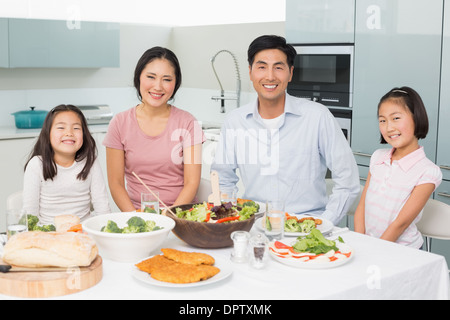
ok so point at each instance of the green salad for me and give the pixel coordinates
(226, 212)
(315, 242)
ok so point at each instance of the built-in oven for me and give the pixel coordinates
(344, 118)
(324, 73)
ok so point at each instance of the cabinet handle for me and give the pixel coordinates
(445, 167)
(362, 154)
(443, 194)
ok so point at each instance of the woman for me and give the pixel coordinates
(159, 142)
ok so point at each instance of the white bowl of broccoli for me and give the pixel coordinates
(128, 236)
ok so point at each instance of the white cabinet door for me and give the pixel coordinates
(13, 155)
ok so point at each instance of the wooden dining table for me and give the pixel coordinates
(378, 270)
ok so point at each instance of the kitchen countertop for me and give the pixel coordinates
(11, 132)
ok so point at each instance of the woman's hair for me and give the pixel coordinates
(411, 100)
(149, 56)
(271, 42)
(43, 147)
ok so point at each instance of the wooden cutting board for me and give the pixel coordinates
(51, 284)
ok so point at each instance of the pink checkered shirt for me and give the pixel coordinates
(390, 188)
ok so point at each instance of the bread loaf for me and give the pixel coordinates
(50, 249)
(65, 222)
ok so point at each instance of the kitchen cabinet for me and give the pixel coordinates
(35, 43)
(4, 53)
(13, 156)
(397, 43)
(443, 154)
(15, 147)
(320, 21)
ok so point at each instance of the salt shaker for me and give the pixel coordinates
(258, 250)
(240, 239)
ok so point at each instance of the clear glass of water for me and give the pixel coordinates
(16, 222)
(150, 203)
(274, 220)
(228, 196)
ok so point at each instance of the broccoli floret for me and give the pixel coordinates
(32, 221)
(111, 227)
(291, 225)
(149, 210)
(33, 224)
(150, 225)
(132, 229)
(45, 228)
(307, 225)
(251, 204)
(136, 222)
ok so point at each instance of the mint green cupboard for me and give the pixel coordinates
(443, 155)
(320, 21)
(397, 43)
(35, 43)
(4, 53)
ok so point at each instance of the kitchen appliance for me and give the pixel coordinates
(323, 73)
(30, 119)
(344, 118)
(96, 114)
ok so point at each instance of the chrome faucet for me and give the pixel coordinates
(222, 97)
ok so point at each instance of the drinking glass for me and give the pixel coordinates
(150, 203)
(228, 196)
(274, 220)
(16, 221)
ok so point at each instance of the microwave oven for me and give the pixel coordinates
(323, 73)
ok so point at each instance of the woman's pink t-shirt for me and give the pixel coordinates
(157, 160)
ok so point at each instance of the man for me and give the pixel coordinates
(283, 145)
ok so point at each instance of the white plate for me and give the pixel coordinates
(325, 227)
(316, 263)
(223, 264)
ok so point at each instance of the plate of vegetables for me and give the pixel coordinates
(312, 251)
(299, 225)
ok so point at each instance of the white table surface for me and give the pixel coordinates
(378, 270)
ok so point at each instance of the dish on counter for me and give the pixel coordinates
(324, 227)
(223, 265)
(313, 251)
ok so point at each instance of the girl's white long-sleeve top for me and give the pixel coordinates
(65, 194)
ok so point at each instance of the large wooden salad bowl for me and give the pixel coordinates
(207, 235)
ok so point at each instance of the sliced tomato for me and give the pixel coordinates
(281, 245)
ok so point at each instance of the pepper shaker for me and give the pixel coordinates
(240, 239)
(258, 250)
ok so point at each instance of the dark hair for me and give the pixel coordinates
(44, 148)
(271, 42)
(410, 99)
(149, 56)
